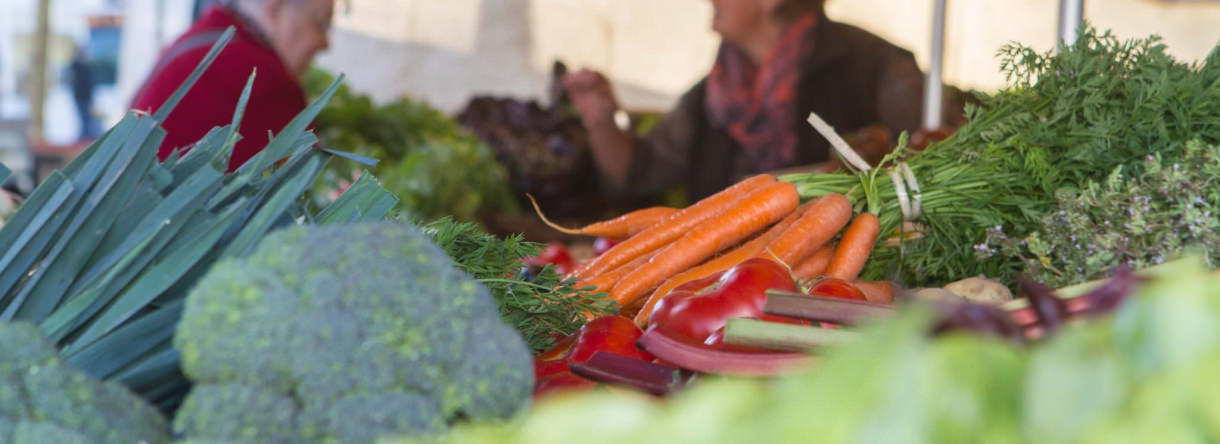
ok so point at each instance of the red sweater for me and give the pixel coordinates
(275, 98)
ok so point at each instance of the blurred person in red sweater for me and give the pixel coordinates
(278, 38)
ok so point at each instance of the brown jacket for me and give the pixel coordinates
(851, 79)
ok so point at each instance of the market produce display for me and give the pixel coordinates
(1054, 145)
(662, 249)
(143, 301)
(1056, 178)
(344, 334)
(44, 400)
(102, 253)
(685, 274)
(425, 158)
(1143, 374)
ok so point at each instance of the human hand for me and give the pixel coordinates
(872, 143)
(592, 96)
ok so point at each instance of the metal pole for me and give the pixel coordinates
(1071, 16)
(159, 26)
(934, 87)
(38, 86)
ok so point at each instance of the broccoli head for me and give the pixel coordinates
(43, 400)
(344, 334)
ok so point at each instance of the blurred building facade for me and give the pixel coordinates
(93, 26)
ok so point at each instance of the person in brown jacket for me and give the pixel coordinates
(778, 61)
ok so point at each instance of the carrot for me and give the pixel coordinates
(720, 263)
(606, 281)
(878, 291)
(744, 218)
(815, 264)
(674, 227)
(620, 227)
(632, 309)
(855, 247)
(819, 223)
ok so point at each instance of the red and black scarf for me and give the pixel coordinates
(756, 103)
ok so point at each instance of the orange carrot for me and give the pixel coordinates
(676, 226)
(820, 222)
(716, 265)
(855, 247)
(878, 291)
(815, 264)
(744, 218)
(606, 281)
(620, 227)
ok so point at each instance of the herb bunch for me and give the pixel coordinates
(543, 307)
(1135, 219)
(1067, 119)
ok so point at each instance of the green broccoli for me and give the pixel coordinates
(345, 334)
(43, 400)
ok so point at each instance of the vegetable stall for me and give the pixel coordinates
(1043, 274)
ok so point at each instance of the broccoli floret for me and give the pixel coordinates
(214, 408)
(43, 432)
(345, 334)
(43, 400)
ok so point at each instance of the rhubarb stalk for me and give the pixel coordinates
(783, 337)
(824, 309)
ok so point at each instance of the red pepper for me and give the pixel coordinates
(602, 245)
(614, 334)
(555, 254)
(698, 311)
(561, 382)
(836, 288)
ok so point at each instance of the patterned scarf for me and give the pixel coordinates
(755, 104)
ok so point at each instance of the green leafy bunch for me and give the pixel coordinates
(1136, 217)
(435, 167)
(1068, 118)
(543, 307)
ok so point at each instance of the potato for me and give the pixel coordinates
(933, 294)
(981, 290)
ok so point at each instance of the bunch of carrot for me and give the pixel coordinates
(664, 248)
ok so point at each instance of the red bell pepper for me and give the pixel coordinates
(613, 334)
(836, 288)
(698, 311)
(603, 244)
(563, 381)
(554, 254)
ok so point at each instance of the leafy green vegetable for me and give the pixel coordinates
(1137, 217)
(542, 307)
(435, 167)
(1068, 119)
(1146, 374)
